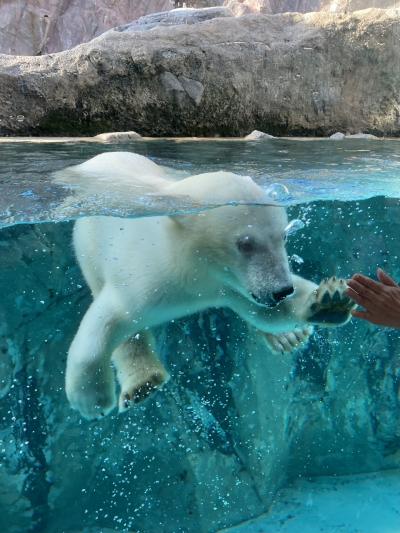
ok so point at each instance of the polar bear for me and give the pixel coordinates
(147, 271)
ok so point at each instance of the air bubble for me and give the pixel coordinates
(278, 192)
(297, 259)
(294, 226)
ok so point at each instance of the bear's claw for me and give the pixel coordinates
(329, 304)
(138, 392)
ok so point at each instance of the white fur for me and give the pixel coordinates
(147, 271)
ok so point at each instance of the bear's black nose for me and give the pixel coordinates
(282, 294)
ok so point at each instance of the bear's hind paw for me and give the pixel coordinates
(329, 303)
(288, 342)
(133, 393)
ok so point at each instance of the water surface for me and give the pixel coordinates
(311, 170)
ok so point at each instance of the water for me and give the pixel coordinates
(318, 170)
(236, 423)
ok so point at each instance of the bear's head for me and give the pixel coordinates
(243, 246)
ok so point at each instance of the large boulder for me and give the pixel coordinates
(311, 74)
(174, 17)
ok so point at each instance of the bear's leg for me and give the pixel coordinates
(325, 305)
(89, 381)
(139, 370)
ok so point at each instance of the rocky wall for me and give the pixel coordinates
(234, 423)
(243, 7)
(46, 26)
(291, 74)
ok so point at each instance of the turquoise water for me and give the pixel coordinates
(311, 170)
(236, 424)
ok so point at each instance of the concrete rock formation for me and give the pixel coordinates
(256, 135)
(311, 74)
(338, 136)
(117, 136)
(347, 6)
(47, 26)
(174, 18)
(243, 7)
(361, 136)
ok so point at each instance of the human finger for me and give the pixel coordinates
(358, 298)
(368, 282)
(385, 278)
(362, 290)
(363, 315)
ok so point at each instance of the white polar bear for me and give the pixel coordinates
(147, 271)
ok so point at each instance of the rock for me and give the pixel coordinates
(294, 512)
(361, 136)
(340, 136)
(47, 26)
(117, 136)
(337, 136)
(288, 74)
(346, 6)
(174, 18)
(255, 135)
(243, 7)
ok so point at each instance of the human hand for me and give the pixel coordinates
(381, 300)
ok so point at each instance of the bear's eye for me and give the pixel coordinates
(246, 244)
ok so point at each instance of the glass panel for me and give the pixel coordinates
(239, 430)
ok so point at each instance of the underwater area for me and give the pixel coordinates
(307, 441)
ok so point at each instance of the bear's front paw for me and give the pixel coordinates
(137, 389)
(329, 304)
(288, 342)
(91, 391)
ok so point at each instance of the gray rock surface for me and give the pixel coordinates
(310, 74)
(117, 136)
(47, 26)
(255, 135)
(234, 423)
(338, 136)
(346, 6)
(174, 18)
(362, 136)
(243, 7)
